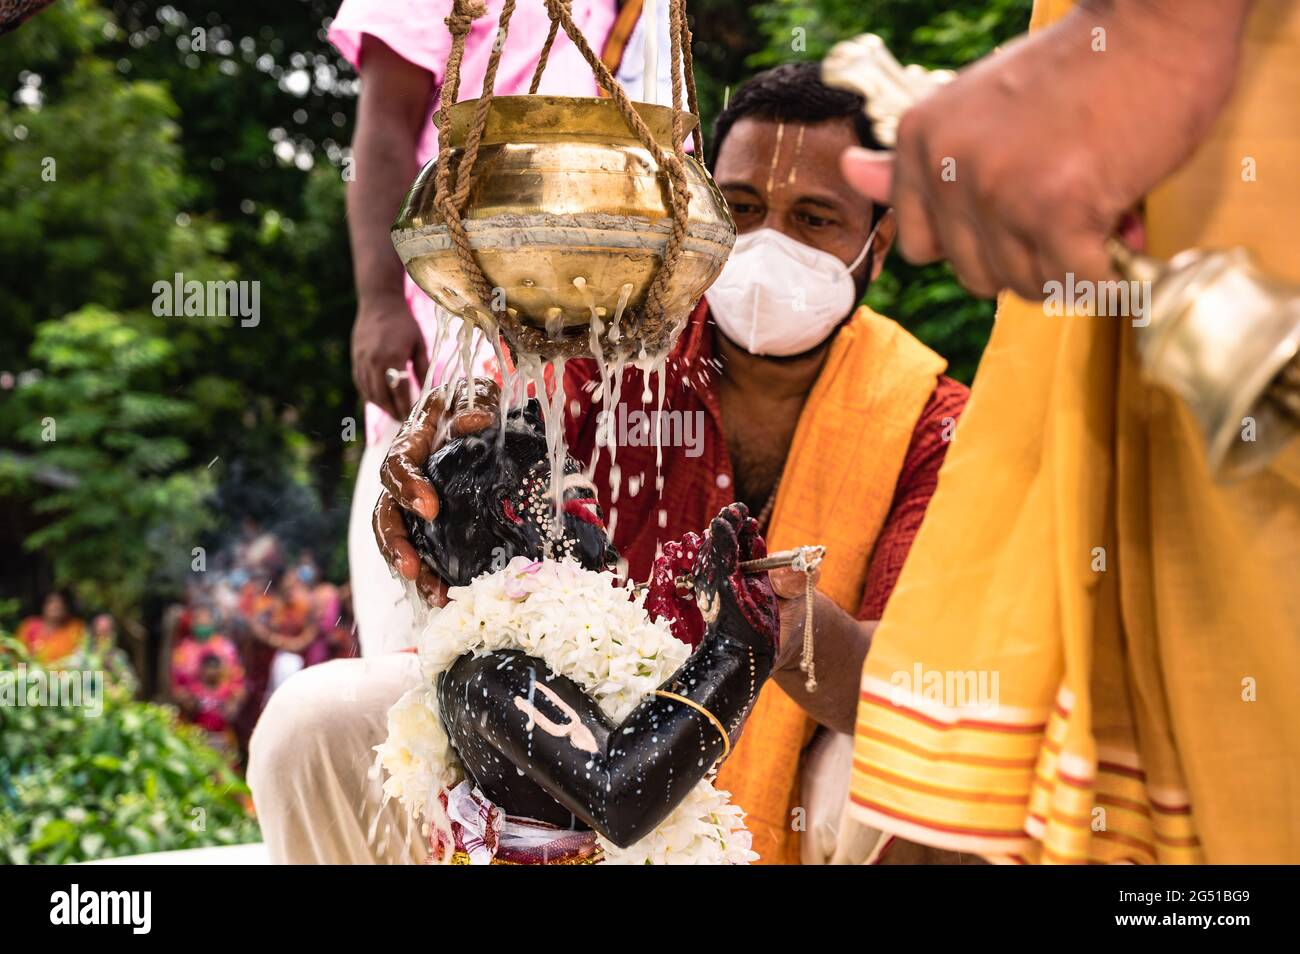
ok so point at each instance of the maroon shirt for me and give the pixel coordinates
(696, 487)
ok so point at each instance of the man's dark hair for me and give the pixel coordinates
(792, 93)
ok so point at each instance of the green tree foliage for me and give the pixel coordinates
(115, 401)
(724, 40)
(110, 441)
(81, 785)
(92, 179)
(266, 107)
(933, 33)
(140, 143)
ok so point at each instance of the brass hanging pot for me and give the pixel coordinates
(573, 226)
(568, 219)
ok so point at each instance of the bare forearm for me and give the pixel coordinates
(1191, 42)
(384, 151)
(840, 645)
(1223, 14)
(395, 101)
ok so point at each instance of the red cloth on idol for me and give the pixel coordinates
(696, 488)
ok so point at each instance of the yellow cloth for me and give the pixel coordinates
(836, 491)
(1142, 622)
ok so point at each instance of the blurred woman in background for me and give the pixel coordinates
(57, 633)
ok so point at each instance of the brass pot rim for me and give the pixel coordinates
(536, 117)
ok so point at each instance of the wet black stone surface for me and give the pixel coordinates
(495, 504)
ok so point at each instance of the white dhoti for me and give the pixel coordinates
(379, 604)
(832, 837)
(317, 791)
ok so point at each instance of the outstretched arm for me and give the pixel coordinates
(622, 780)
(841, 649)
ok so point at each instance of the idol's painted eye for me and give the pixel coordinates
(508, 509)
(585, 509)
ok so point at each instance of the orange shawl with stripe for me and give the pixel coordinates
(1143, 622)
(836, 490)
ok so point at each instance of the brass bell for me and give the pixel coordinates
(568, 218)
(1224, 337)
(1221, 335)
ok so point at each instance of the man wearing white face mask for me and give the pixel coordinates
(836, 421)
(778, 297)
(829, 421)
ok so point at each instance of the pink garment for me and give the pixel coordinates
(187, 661)
(211, 702)
(415, 30)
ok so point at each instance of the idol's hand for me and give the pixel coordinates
(1019, 169)
(434, 421)
(668, 595)
(736, 604)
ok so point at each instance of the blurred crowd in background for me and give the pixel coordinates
(244, 627)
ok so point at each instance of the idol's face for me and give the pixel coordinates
(496, 503)
(528, 516)
(786, 177)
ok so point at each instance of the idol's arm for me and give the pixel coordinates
(620, 780)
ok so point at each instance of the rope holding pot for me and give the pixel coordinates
(451, 198)
(545, 55)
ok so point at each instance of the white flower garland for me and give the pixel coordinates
(586, 629)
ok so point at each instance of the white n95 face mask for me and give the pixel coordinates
(779, 297)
